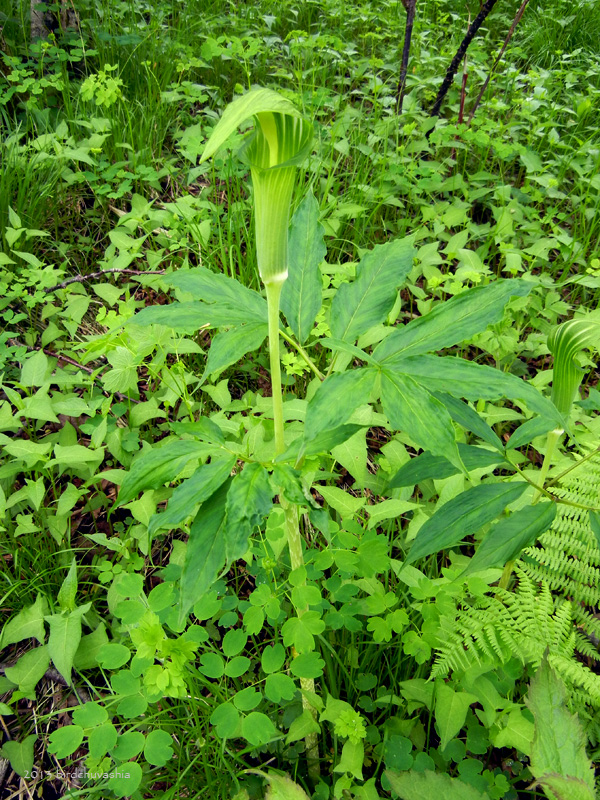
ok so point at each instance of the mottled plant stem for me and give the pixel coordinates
(290, 510)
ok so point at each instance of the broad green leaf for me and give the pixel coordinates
(336, 399)
(65, 635)
(279, 687)
(243, 108)
(102, 740)
(225, 718)
(258, 729)
(517, 732)
(29, 669)
(468, 418)
(431, 786)
(65, 740)
(282, 787)
(324, 443)
(412, 409)
(462, 516)
(272, 657)
(129, 744)
(90, 714)
(462, 378)
(212, 287)
(35, 369)
(559, 787)
(558, 741)
(89, 646)
(344, 503)
(536, 426)
(205, 553)
(125, 780)
(28, 624)
(301, 293)
(159, 466)
(68, 590)
(249, 501)
(367, 301)
(20, 755)
(508, 537)
(565, 342)
(113, 655)
(450, 711)
(228, 347)
(158, 748)
(426, 465)
(452, 321)
(191, 492)
(190, 317)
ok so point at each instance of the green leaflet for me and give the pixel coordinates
(336, 399)
(463, 516)
(367, 301)
(536, 426)
(193, 491)
(468, 418)
(65, 634)
(20, 755)
(159, 466)
(249, 501)
(508, 537)
(205, 553)
(565, 342)
(228, 347)
(28, 624)
(214, 288)
(558, 755)
(427, 465)
(412, 409)
(324, 443)
(301, 294)
(452, 321)
(190, 317)
(462, 378)
(429, 785)
(450, 711)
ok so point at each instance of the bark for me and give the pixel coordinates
(460, 54)
(410, 6)
(515, 22)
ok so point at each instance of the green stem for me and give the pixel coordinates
(304, 354)
(290, 510)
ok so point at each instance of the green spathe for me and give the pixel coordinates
(280, 142)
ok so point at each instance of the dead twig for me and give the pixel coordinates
(114, 270)
(410, 6)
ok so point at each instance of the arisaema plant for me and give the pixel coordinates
(278, 145)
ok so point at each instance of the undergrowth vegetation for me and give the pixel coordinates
(310, 512)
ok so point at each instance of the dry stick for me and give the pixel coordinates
(410, 6)
(515, 22)
(460, 54)
(83, 278)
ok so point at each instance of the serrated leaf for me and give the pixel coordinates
(367, 301)
(508, 537)
(159, 466)
(558, 741)
(452, 321)
(429, 785)
(462, 516)
(301, 294)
